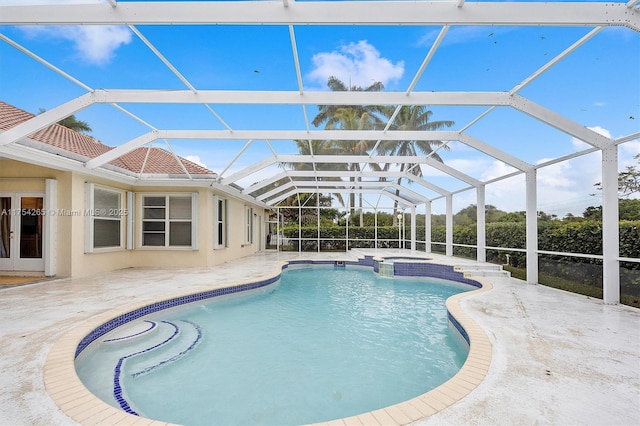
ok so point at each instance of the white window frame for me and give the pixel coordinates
(220, 223)
(92, 213)
(248, 225)
(167, 220)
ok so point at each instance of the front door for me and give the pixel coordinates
(21, 231)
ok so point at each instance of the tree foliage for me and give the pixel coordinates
(628, 180)
(71, 122)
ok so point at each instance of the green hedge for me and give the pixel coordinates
(570, 237)
(573, 237)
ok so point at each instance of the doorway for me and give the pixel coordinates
(21, 231)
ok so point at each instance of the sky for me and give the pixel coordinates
(597, 86)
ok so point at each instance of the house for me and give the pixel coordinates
(148, 208)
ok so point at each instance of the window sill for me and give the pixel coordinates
(170, 248)
(107, 250)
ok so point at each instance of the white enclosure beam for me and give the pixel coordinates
(481, 231)
(555, 60)
(560, 122)
(352, 135)
(45, 119)
(248, 170)
(627, 138)
(276, 191)
(279, 97)
(317, 13)
(162, 58)
(379, 186)
(427, 227)
(265, 182)
(610, 227)
(332, 159)
(400, 200)
(238, 154)
(267, 134)
(413, 228)
(449, 225)
(44, 62)
(531, 226)
(494, 152)
(366, 174)
(428, 58)
(50, 231)
(121, 150)
(451, 171)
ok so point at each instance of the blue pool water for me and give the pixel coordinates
(322, 344)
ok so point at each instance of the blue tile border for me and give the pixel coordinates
(459, 327)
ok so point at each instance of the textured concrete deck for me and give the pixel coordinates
(558, 358)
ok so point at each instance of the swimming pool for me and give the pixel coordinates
(286, 387)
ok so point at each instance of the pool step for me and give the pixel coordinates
(131, 331)
(178, 339)
(482, 270)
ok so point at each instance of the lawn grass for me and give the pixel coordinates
(572, 286)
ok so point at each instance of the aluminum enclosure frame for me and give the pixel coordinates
(291, 13)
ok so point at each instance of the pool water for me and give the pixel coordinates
(322, 344)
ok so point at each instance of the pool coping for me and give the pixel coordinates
(71, 396)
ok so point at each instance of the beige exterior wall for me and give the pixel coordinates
(71, 259)
(18, 177)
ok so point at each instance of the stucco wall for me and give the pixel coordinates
(18, 177)
(71, 259)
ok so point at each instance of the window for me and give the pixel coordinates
(105, 215)
(219, 223)
(167, 220)
(248, 228)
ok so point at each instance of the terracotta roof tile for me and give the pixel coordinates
(159, 161)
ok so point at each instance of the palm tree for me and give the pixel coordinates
(71, 122)
(350, 118)
(318, 147)
(326, 113)
(413, 117)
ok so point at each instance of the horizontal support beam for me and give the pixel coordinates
(400, 200)
(356, 185)
(321, 13)
(280, 97)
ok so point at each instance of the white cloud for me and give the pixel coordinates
(196, 159)
(359, 63)
(95, 44)
(630, 148)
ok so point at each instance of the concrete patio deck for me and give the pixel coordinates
(558, 358)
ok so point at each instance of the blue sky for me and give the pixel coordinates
(598, 86)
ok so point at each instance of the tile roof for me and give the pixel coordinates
(158, 161)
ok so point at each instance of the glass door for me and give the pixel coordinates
(21, 232)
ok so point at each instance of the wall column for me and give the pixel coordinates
(449, 222)
(427, 227)
(610, 226)
(532, 226)
(481, 241)
(50, 240)
(413, 228)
